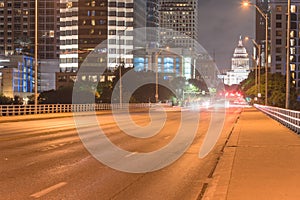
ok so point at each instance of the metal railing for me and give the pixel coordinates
(11, 110)
(289, 118)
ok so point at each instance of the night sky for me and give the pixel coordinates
(221, 24)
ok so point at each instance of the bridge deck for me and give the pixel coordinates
(261, 161)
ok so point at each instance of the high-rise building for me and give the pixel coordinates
(181, 18)
(48, 29)
(146, 23)
(260, 28)
(278, 39)
(86, 24)
(16, 26)
(17, 35)
(48, 43)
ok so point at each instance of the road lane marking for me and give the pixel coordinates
(48, 190)
(167, 137)
(31, 163)
(131, 154)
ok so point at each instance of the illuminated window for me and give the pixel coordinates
(93, 4)
(51, 33)
(293, 67)
(139, 64)
(69, 4)
(159, 64)
(1, 4)
(93, 22)
(293, 9)
(292, 34)
(293, 50)
(293, 75)
(168, 65)
(292, 42)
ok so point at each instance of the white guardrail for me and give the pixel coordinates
(11, 110)
(289, 118)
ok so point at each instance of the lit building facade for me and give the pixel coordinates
(278, 39)
(16, 26)
(146, 20)
(17, 76)
(239, 66)
(48, 43)
(180, 16)
(17, 34)
(99, 21)
(169, 62)
(260, 28)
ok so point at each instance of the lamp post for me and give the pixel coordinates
(265, 16)
(120, 70)
(36, 57)
(287, 90)
(156, 75)
(258, 65)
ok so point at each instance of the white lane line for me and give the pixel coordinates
(167, 137)
(131, 154)
(47, 190)
(31, 163)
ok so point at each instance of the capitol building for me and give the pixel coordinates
(239, 66)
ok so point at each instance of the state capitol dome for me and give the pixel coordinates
(240, 51)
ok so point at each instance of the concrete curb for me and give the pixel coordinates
(218, 186)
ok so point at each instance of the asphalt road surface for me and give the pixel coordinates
(45, 159)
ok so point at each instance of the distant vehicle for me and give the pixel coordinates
(233, 97)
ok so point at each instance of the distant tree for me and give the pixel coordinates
(17, 100)
(62, 96)
(5, 100)
(276, 90)
(104, 92)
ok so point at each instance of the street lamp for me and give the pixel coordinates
(120, 69)
(265, 16)
(287, 90)
(258, 64)
(36, 56)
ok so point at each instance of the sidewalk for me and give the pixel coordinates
(260, 161)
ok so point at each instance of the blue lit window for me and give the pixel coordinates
(159, 60)
(177, 66)
(139, 64)
(168, 65)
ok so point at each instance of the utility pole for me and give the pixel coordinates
(287, 90)
(266, 65)
(36, 57)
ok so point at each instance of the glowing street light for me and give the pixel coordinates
(257, 68)
(265, 16)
